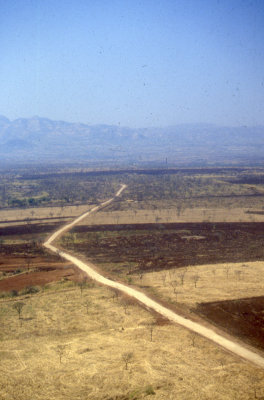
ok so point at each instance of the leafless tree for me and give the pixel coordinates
(196, 279)
(28, 260)
(115, 294)
(182, 275)
(127, 358)
(140, 275)
(179, 209)
(18, 306)
(87, 305)
(82, 284)
(193, 336)
(125, 304)
(60, 350)
(151, 329)
(174, 285)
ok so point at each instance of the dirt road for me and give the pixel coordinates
(142, 298)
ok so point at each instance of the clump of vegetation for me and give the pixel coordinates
(30, 290)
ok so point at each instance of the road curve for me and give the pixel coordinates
(230, 345)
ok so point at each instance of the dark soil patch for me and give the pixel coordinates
(29, 229)
(146, 247)
(243, 318)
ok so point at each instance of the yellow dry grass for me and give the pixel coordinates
(215, 282)
(171, 215)
(93, 344)
(22, 214)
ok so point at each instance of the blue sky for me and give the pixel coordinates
(134, 63)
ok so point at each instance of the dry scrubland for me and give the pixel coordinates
(93, 333)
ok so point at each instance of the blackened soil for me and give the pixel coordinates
(159, 246)
(29, 229)
(243, 318)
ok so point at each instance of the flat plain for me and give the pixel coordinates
(192, 240)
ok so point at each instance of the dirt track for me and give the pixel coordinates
(142, 298)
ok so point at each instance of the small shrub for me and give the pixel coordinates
(30, 290)
(149, 390)
(14, 293)
(17, 271)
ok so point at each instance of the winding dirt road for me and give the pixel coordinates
(230, 345)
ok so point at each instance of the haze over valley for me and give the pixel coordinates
(44, 140)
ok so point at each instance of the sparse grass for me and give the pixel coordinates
(171, 215)
(91, 365)
(216, 282)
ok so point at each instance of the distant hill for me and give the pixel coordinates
(43, 140)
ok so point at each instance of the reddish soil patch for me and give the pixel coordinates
(243, 318)
(29, 264)
(17, 275)
(18, 282)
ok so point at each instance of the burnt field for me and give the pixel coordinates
(242, 317)
(32, 229)
(150, 247)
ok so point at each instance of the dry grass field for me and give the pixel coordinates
(214, 282)
(9, 217)
(172, 215)
(69, 345)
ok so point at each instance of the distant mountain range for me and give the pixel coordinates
(43, 140)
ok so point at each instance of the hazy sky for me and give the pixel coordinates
(137, 63)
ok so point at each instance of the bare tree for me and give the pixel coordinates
(196, 279)
(18, 306)
(82, 284)
(127, 358)
(28, 260)
(182, 275)
(151, 329)
(179, 209)
(140, 275)
(174, 285)
(87, 304)
(193, 336)
(115, 294)
(60, 350)
(125, 304)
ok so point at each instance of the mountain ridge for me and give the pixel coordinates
(42, 139)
